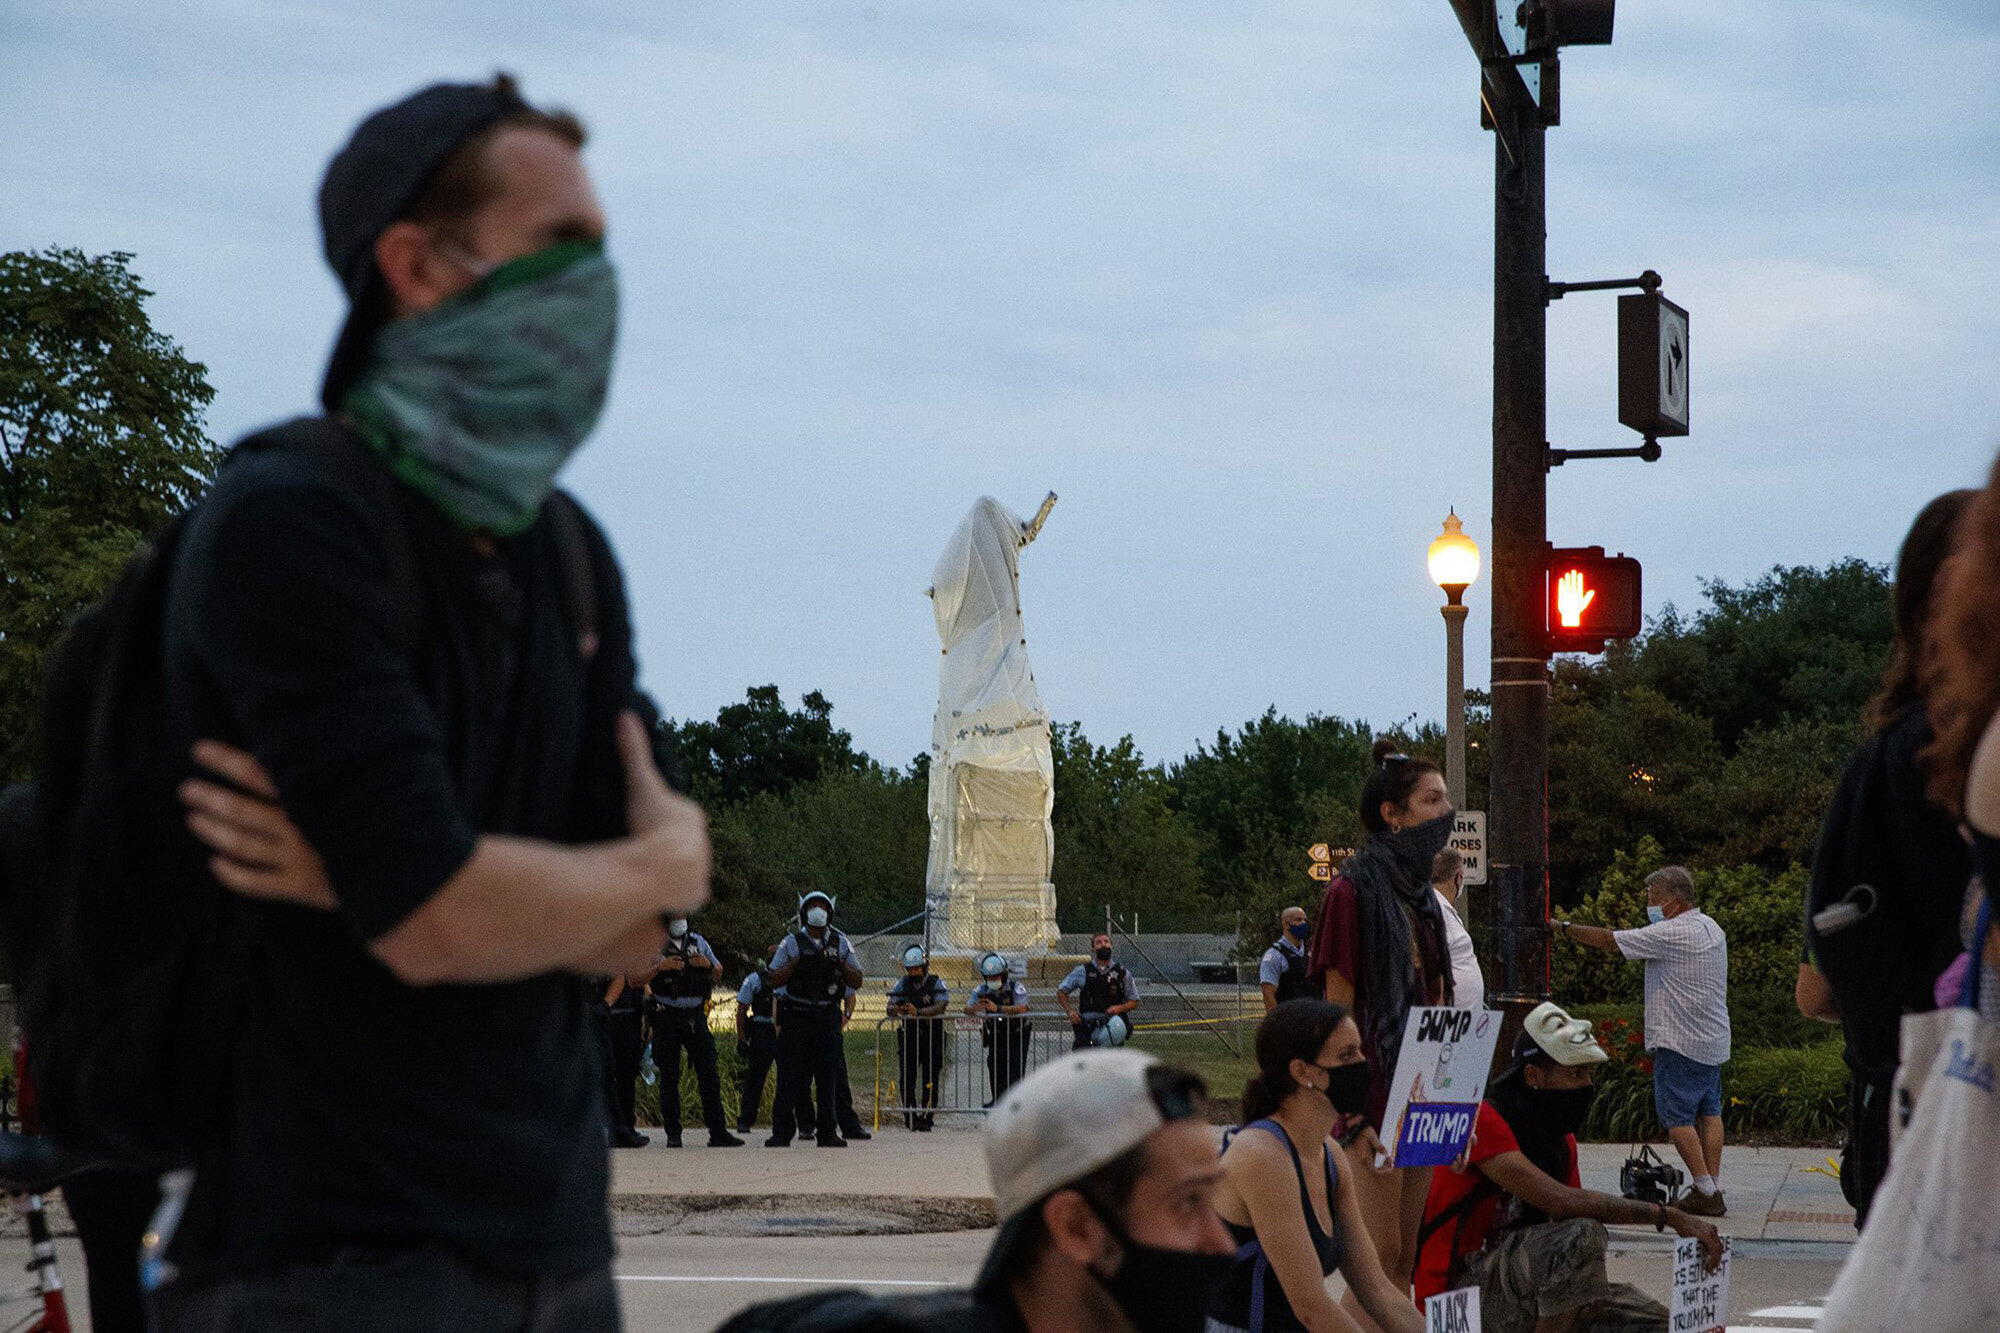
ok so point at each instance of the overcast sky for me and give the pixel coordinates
(1218, 273)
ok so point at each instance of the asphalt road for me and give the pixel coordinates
(684, 1284)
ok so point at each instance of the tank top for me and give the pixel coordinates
(1252, 1298)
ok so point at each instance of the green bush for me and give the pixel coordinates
(1797, 1094)
(1757, 910)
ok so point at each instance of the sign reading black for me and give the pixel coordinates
(1591, 599)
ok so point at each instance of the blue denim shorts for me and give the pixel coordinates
(1684, 1090)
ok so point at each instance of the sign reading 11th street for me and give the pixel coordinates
(1439, 1081)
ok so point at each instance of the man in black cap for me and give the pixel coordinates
(388, 623)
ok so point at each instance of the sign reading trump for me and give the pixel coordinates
(1439, 1081)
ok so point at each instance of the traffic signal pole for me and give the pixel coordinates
(1518, 830)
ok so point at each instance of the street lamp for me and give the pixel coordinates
(1454, 563)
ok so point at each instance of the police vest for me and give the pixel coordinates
(1292, 981)
(1102, 989)
(922, 993)
(690, 983)
(763, 1000)
(817, 978)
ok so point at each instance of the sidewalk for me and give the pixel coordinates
(1772, 1192)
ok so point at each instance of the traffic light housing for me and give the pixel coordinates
(1590, 599)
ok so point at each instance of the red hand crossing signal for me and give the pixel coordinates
(1591, 599)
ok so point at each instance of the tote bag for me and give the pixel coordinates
(1929, 1257)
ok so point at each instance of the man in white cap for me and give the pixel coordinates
(1103, 1167)
(1515, 1221)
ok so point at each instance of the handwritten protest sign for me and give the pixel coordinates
(1701, 1298)
(1440, 1078)
(1453, 1312)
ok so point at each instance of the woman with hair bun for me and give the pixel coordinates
(1379, 947)
(1294, 1227)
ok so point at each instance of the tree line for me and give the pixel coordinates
(1717, 734)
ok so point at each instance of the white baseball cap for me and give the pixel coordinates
(1063, 1122)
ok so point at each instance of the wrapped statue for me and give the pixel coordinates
(992, 780)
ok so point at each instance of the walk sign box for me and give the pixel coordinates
(1439, 1082)
(1453, 1312)
(1701, 1298)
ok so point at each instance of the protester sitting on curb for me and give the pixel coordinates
(1281, 973)
(1687, 1021)
(1293, 1227)
(1515, 1221)
(1103, 990)
(1104, 1171)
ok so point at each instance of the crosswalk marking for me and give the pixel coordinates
(1795, 1318)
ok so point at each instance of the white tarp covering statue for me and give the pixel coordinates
(992, 785)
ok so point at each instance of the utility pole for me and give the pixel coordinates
(1518, 821)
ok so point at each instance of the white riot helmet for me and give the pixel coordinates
(992, 965)
(914, 956)
(825, 913)
(1111, 1032)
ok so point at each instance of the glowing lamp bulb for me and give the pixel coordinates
(1454, 557)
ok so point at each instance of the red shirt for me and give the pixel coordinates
(1467, 1233)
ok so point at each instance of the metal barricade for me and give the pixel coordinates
(970, 1058)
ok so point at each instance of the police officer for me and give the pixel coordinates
(919, 999)
(1002, 1003)
(756, 1038)
(815, 965)
(680, 987)
(1108, 990)
(1282, 973)
(624, 1041)
(850, 1124)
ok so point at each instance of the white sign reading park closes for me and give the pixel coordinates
(1468, 839)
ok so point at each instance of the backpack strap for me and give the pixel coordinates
(578, 559)
(1482, 1190)
(345, 455)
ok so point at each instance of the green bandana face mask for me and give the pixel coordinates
(479, 402)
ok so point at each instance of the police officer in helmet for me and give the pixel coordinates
(919, 999)
(1103, 990)
(1003, 1004)
(1281, 975)
(814, 967)
(680, 987)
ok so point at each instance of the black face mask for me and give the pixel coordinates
(1161, 1291)
(1103, 955)
(1347, 1086)
(1565, 1109)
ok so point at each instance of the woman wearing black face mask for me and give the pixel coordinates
(1379, 946)
(1293, 1226)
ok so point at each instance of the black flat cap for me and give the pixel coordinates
(371, 182)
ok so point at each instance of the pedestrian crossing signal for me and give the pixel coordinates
(1591, 599)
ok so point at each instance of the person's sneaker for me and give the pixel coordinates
(743, 1129)
(724, 1139)
(856, 1133)
(630, 1138)
(775, 1142)
(832, 1143)
(673, 1140)
(1697, 1204)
